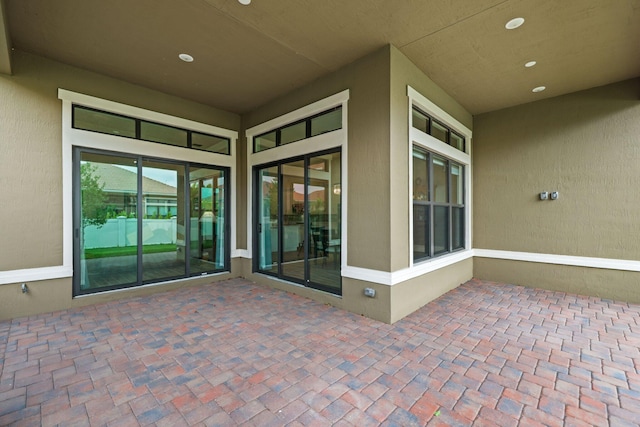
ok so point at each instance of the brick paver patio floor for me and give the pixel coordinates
(235, 353)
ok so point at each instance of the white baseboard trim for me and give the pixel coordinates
(577, 261)
(377, 276)
(399, 276)
(35, 274)
(240, 253)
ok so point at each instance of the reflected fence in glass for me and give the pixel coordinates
(107, 224)
(130, 220)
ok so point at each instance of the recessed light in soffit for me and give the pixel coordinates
(514, 23)
(530, 64)
(244, 2)
(538, 89)
(186, 57)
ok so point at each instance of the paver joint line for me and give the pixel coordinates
(234, 352)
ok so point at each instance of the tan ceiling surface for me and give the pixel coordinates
(248, 55)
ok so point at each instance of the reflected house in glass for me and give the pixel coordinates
(159, 199)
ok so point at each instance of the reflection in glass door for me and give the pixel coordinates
(106, 224)
(207, 219)
(163, 219)
(293, 196)
(139, 220)
(298, 221)
(324, 195)
(268, 223)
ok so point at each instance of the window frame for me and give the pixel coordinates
(435, 146)
(319, 143)
(308, 130)
(431, 120)
(72, 137)
(138, 122)
(431, 204)
(280, 274)
(140, 218)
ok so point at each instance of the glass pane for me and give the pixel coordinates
(439, 131)
(457, 230)
(327, 122)
(99, 121)
(206, 220)
(457, 141)
(163, 220)
(108, 224)
(324, 198)
(440, 191)
(263, 142)
(163, 134)
(293, 133)
(457, 184)
(268, 219)
(215, 144)
(293, 220)
(440, 229)
(420, 175)
(420, 121)
(421, 223)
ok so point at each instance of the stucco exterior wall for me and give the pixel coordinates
(378, 184)
(597, 282)
(408, 296)
(31, 161)
(405, 73)
(584, 145)
(377, 193)
(31, 169)
(368, 134)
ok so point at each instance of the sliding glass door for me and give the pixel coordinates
(297, 220)
(106, 223)
(292, 229)
(162, 220)
(207, 220)
(141, 220)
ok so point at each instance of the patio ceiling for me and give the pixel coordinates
(246, 56)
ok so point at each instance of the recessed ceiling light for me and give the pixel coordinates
(538, 89)
(530, 64)
(245, 2)
(186, 57)
(514, 23)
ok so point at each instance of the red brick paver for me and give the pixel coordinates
(235, 353)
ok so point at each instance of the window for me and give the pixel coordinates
(141, 220)
(298, 220)
(85, 118)
(440, 186)
(324, 122)
(438, 205)
(427, 124)
(296, 226)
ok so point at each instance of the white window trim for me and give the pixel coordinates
(334, 139)
(428, 142)
(76, 137)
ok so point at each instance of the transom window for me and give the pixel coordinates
(93, 120)
(324, 122)
(438, 205)
(427, 124)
